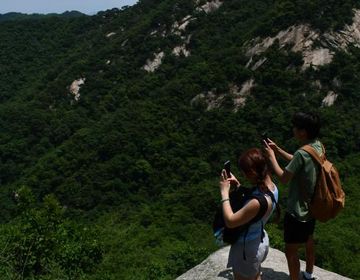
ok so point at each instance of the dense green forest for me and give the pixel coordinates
(122, 182)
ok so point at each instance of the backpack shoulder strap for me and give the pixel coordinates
(309, 149)
(270, 193)
(263, 208)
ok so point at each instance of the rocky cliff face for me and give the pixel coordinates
(274, 268)
(317, 49)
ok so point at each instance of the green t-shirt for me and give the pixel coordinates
(305, 173)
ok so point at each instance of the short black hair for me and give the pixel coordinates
(310, 122)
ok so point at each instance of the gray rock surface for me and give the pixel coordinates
(274, 268)
(306, 40)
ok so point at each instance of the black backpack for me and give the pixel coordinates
(238, 198)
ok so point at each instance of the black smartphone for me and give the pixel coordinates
(227, 168)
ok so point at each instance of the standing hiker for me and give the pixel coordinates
(300, 174)
(252, 245)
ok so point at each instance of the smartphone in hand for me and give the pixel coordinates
(227, 168)
(264, 137)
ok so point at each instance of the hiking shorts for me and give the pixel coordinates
(296, 231)
(255, 252)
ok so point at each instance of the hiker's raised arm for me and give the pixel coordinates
(283, 175)
(283, 154)
(242, 216)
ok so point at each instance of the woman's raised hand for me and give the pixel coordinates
(226, 182)
(272, 145)
(269, 150)
(233, 180)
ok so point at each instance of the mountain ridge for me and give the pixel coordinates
(10, 16)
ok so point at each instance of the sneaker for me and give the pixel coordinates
(305, 278)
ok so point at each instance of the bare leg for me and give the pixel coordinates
(310, 254)
(292, 257)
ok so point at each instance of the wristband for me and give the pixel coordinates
(225, 199)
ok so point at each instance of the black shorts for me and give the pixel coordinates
(296, 231)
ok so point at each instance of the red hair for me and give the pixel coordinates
(254, 161)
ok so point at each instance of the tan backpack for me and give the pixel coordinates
(328, 198)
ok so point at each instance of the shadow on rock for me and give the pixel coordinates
(270, 274)
(267, 274)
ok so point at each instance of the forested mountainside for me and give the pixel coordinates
(114, 129)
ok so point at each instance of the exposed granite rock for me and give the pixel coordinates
(152, 65)
(240, 94)
(329, 100)
(274, 268)
(211, 99)
(210, 6)
(178, 50)
(75, 88)
(317, 48)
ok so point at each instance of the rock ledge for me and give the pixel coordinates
(274, 268)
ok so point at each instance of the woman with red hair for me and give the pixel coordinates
(250, 249)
